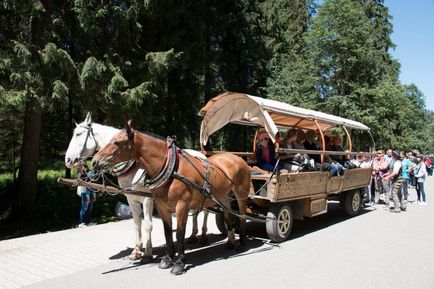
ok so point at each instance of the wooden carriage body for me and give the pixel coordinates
(283, 196)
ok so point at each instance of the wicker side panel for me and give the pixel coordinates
(294, 185)
(334, 184)
(356, 178)
(318, 206)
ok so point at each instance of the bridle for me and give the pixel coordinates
(88, 135)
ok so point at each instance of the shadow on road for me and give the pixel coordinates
(196, 253)
(215, 249)
(335, 215)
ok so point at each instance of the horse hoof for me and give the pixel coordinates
(147, 259)
(165, 263)
(240, 248)
(230, 246)
(178, 268)
(192, 239)
(204, 240)
(134, 256)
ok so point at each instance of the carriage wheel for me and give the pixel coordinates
(353, 202)
(279, 222)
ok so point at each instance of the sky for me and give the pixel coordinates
(413, 35)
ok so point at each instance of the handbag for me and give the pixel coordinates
(80, 190)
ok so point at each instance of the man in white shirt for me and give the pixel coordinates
(395, 176)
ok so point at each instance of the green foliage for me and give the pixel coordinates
(158, 62)
(57, 206)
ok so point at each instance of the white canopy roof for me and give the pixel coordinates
(245, 109)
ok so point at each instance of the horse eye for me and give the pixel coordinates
(79, 133)
(117, 143)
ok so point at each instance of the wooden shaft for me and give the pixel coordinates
(99, 187)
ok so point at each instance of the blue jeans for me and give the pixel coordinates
(86, 207)
(421, 190)
(266, 166)
(336, 169)
(405, 188)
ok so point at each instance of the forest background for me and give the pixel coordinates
(158, 62)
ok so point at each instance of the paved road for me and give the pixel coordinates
(376, 249)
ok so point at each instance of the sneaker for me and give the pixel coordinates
(403, 209)
(82, 225)
(422, 203)
(91, 224)
(395, 211)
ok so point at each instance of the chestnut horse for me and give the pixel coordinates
(179, 182)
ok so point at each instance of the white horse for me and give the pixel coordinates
(89, 137)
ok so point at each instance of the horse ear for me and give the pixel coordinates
(88, 118)
(128, 128)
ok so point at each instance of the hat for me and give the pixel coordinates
(396, 154)
(419, 156)
(264, 135)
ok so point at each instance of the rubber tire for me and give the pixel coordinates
(221, 225)
(279, 222)
(353, 202)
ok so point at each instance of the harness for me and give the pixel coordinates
(169, 171)
(170, 168)
(89, 133)
(123, 168)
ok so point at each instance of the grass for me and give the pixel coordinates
(57, 206)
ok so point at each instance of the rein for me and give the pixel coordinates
(89, 133)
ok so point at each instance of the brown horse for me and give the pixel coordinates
(179, 182)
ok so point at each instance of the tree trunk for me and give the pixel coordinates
(27, 182)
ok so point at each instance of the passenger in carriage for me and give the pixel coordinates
(265, 153)
(310, 144)
(301, 138)
(334, 144)
(288, 143)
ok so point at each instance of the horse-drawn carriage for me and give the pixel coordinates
(284, 195)
(179, 180)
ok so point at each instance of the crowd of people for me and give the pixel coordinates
(298, 139)
(394, 172)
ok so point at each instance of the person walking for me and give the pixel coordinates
(395, 176)
(380, 167)
(420, 173)
(406, 165)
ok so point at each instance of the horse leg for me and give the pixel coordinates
(242, 205)
(204, 237)
(148, 205)
(193, 238)
(181, 222)
(135, 207)
(230, 244)
(166, 217)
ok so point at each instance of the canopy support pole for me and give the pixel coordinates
(350, 144)
(322, 141)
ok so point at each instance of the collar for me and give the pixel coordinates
(123, 168)
(170, 166)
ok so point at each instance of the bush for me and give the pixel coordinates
(57, 206)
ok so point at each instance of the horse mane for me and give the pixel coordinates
(151, 134)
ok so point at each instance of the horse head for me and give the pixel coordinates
(119, 149)
(83, 142)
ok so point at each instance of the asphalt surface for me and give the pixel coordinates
(376, 249)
